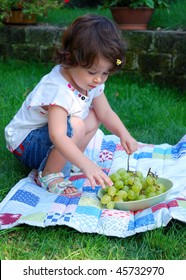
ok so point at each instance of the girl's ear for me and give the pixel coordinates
(68, 58)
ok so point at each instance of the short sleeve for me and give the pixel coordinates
(49, 94)
(98, 90)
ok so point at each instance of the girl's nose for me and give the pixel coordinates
(97, 80)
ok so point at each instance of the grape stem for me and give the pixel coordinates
(128, 163)
(150, 173)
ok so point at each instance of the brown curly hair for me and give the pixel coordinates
(89, 37)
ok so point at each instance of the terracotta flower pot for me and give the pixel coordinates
(17, 17)
(132, 19)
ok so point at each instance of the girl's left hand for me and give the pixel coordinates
(129, 144)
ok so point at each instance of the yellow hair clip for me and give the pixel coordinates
(118, 61)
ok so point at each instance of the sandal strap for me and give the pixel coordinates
(57, 188)
(46, 180)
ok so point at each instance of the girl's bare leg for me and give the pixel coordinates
(91, 126)
(83, 131)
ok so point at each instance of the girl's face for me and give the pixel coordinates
(86, 79)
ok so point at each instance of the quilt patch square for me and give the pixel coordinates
(144, 220)
(63, 199)
(181, 203)
(71, 208)
(159, 206)
(141, 222)
(108, 145)
(179, 150)
(57, 207)
(34, 218)
(113, 225)
(84, 223)
(67, 217)
(52, 218)
(55, 217)
(162, 153)
(26, 197)
(88, 210)
(115, 213)
(172, 203)
(142, 155)
(105, 155)
(6, 218)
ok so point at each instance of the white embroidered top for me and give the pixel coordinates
(52, 89)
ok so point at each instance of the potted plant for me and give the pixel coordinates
(133, 14)
(25, 11)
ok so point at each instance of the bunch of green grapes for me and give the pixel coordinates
(130, 186)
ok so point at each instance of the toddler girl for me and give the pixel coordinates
(63, 112)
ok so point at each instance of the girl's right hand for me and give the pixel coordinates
(96, 176)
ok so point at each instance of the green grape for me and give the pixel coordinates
(129, 181)
(137, 194)
(125, 188)
(114, 177)
(112, 191)
(161, 188)
(122, 194)
(110, 205)
(138, 182)
(158, 192)
(150, 189)
(131, 195)
(141, 196)
(117, 199)
(121, 171)
(123, 174)
(149, 180)
(139, 175)
(105, 199)
(136, 188)
(118, 184)
(131, 173)
(106, 188)
(151, 194)
(144, 184)
(147, 190)
(124, 177)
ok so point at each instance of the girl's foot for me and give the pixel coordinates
(55, 183)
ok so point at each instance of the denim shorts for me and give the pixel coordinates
(34, 150)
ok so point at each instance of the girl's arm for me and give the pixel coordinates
(57, 123)
(113, 123)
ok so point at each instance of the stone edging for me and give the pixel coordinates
(158, 55)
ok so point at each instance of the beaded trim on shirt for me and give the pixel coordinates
(78, 94)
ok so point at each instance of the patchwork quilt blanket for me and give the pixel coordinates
(27, 203)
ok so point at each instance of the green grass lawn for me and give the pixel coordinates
(173, 18)
(152, 114)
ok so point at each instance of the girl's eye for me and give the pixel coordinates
(91, 73)
(94, 73)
